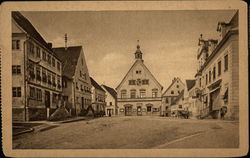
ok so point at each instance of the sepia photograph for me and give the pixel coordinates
(126, 79)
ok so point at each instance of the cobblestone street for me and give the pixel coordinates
(134, 133)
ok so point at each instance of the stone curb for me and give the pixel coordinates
(25, 131)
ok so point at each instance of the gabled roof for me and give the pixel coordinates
(180, 96)
(144, 66)
(175, 79)
(29, 28)
(190, 84)
(111, 91)
(69, 58)
(96, 85)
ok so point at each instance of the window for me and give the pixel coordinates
(166, 100)
(44, 75)
(178, 92)
(38, 54)
(44, 56)
(81, 88)
(200, 82)
(32, 93)
(58, 82)
(149, 108)
(49, 59)
(54, 97)
(123, 94)
(138, 72)
(172, 92)
(58, 66)
(53, 62)
(131, 82)
(180, 106)
(142, 93)
(145, 82)
(54, 80)
(209, 76)
(206, 79)
(219, 68)
(49, 78)
(39, 94)
(32, 49)
(64, 83)
(177, 86)
(16, 69)
(38, 73)
(154, 93)
(133, 94)
(225, 62)
(77, 86)
(31, 69)
(214, 73)
(110, 103)
(16, 91)
(15, 44)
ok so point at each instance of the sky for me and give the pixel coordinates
(168, 39)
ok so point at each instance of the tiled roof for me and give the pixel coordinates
(190, 84)
(111, 91)
(96, 85)
(29, 28)
(69, 58)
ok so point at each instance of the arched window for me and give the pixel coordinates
(132, 93)
(123, 93)
(142, 93)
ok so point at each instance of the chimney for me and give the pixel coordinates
(50, 45)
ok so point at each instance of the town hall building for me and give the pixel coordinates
(139, 93)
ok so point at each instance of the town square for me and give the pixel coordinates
(125, 79)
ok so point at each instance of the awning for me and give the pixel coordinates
(215, 85)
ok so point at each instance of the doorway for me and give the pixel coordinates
(47, 99)
(128, 110)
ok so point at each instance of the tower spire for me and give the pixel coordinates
(138, 53)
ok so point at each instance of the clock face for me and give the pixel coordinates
(138, 82)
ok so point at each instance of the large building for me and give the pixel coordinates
(217, 77)
(98, 98)
(111, 101)
(36, 73)
(139, 93)
(76, 84)
(170, 94)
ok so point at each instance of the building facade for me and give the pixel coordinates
(111, 101)
(76, 84)
(170, 94)
(191, 103)
(217, 77)
(98, 98)
(139, 93)
(36, 73)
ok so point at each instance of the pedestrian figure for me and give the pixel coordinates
(223, 112)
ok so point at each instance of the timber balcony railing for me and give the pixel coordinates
(140, 99)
